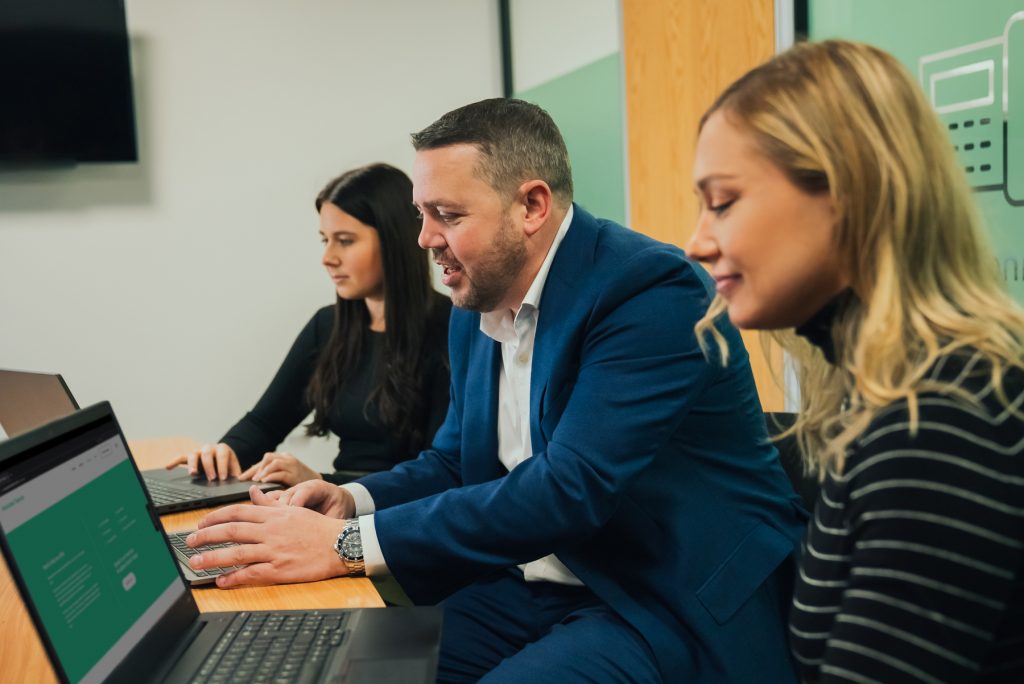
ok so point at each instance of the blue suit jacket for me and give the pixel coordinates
(650, 476)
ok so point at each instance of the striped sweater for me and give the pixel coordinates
(913, 565)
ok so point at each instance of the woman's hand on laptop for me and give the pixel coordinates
(280, 467)
(277, 544)
(218, 462)
(322, 497)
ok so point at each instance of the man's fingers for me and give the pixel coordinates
(235, 512)
(249, 472)
(193, 463)
(261, 498)
(234, 468)
(236, 531)
(284, 497)
(303, 497)
(242, 554)
(254, 575)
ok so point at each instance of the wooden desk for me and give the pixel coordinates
(23, 659)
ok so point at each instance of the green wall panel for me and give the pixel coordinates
(587, 106)
(963, 53)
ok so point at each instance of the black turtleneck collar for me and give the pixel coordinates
(818, 328)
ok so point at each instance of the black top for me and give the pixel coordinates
(911, 570)
(364, 443)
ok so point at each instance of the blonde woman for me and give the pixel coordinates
(833, 206)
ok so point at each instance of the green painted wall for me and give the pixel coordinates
(963, 43)
(586, 104)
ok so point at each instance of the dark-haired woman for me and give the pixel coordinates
(373, 367)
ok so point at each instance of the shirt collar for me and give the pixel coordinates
(500, 324)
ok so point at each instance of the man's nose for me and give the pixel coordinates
(430, 237)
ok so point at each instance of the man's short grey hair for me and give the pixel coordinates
(517, 141)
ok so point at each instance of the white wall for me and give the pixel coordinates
(174, 287)
(543, 50)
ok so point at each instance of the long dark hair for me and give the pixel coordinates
(380, 196)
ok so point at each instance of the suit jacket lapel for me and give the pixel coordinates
(570, 266)
(480, 447)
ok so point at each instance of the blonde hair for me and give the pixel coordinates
(847, 119)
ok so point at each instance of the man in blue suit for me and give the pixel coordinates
(600, 503)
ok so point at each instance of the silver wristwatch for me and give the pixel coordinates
(350, 547)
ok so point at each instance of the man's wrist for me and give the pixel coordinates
(358, 497)
(349, 547)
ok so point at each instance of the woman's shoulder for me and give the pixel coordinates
(961, 382)
(958, 414)
(322, 320)
(317, 330)
(969, 381)
(325, 314)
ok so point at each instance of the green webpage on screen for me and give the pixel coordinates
(97, 571)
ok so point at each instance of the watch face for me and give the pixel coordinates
(352, 546)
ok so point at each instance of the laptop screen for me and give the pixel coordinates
(76, 524)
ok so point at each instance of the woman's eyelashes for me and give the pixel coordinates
(721, 207)
(342, 240)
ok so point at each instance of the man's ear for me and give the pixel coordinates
(538, 204)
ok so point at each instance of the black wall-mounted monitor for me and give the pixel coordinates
(65, 83)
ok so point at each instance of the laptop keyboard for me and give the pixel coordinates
(274, 647)
(162, 493)
(183, 551)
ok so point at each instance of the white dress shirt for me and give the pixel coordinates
(515, 333)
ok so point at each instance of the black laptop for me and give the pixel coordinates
(28, 400)
(86, 550)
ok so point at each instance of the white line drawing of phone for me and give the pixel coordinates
(978, 92)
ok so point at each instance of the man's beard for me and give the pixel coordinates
(494, 273)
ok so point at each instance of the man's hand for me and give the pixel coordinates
(218, 462)
(279, 544)
(282, 468)
(322, 497)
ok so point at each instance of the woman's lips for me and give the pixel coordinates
(725, 284)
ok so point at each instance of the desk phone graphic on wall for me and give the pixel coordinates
(978, 91)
